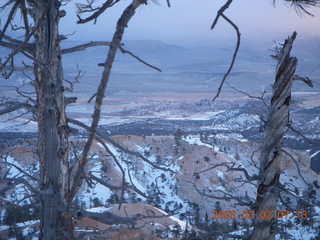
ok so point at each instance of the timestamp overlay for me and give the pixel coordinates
(234, 214)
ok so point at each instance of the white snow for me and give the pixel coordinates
(18, 124)
(315, 154)
(198, 116)
(22, 224)
(195, 140)
(220, 174)
(14, 172)
(98, 209)
(305, 93)
(20, 191)
(220, 188)
(182, 224)
(27, 223)
(98, 191)
(149, 175)
(2, 228)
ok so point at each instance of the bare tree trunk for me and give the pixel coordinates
(271, 156)
(56, 222)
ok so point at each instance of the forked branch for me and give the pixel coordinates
(221, 14)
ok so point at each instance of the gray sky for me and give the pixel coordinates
(190, 21)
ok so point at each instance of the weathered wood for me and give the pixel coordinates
(271, 158)
(56, 223)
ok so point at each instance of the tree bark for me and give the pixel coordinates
(271, 155)
(56, 222)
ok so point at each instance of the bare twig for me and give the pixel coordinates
(226, 196)
(230, 167)
(296, 163)
(97, 11)
(221, 11)
(138, 58)
(16, 181)
(306, 80)
(299, 133)
(261, 98)
(92, 97)
(21, 170)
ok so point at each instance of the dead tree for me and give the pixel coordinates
(271, 154)
(41, 44)
(58, 183)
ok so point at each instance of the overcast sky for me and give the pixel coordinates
(190, 21)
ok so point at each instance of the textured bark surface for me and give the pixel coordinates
(60, 188)
(271, 156)
(56, 223)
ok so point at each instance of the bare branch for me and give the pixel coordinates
(14, 106)
(296, 163)
(92, 97)
(102, 43)
(21, 170)
(139, 59)
(299, 133)
(286, 190)
(261, 98)
(227, 197)
(22, 45)
(117, 145)
(75, 81)
(306, 80)
(107, 217)
(12, 43)
(84, 46)
(25, 18)
(233, 57)
(97, 11)
(12, 182)
(124, 184)
(221, 11)
(114, 187)
(230, 167)
(9, 19)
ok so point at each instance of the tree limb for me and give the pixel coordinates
(16, 106)
(233, 57)
(139, 59)
(117, 145)
(97, 13)
(84, 46)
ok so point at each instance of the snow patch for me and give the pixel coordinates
(195, 140)
(98, 209)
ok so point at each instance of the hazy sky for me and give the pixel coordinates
(190, 21)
